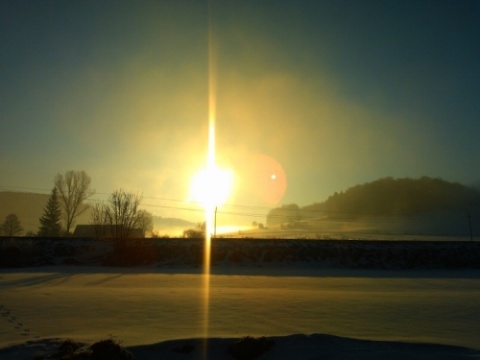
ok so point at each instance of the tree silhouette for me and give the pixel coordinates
(386, 197)
(198, 232)
(120, 215)
(50, 220)
(289, 213)
(406, 196)
(74, 188)
(11, 226)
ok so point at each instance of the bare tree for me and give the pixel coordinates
(123, 213)
(74, 188)
(120, 215)
(100, 219)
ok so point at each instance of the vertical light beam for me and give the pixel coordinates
(211, 163)
(210, 168)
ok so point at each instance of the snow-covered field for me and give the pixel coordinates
(153, 311)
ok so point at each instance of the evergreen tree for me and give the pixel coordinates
(11, 226)
(50, 220)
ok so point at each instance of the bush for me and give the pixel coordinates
(109, 350)
(102, 350)
(249, 348)
(68, 350)
(11, 257)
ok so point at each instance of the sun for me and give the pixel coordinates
(211, 186)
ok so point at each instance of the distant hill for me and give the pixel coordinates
(390, 196)
(386, 197)
(171, 226)
(29, 208)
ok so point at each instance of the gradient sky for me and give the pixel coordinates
(334, 93)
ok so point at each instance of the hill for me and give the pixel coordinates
(390, 196)
(444, 205)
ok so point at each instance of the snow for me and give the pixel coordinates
(367, 314)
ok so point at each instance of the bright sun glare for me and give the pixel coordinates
(211, 186)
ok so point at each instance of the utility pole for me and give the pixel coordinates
(215, 224)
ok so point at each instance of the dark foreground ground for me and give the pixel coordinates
(350, 254)
(299, 346)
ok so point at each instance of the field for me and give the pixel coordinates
(140, 306)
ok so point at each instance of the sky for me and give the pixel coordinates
(311, 97)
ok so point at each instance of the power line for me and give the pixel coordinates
(92, 199)
(255, 211)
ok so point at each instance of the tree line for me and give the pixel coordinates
(385, 197)
(118, 217)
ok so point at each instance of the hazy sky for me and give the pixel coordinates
(334, 93)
